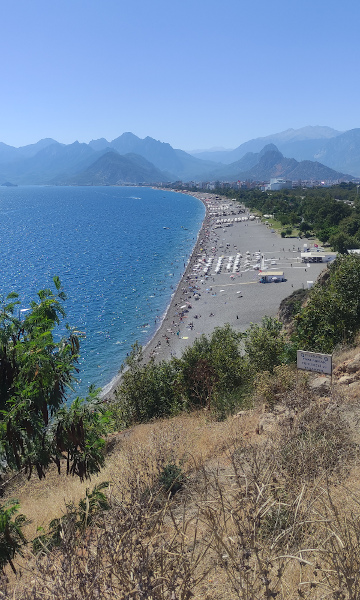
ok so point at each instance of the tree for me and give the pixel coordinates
(78, 434)
(146, 391)
(12, 538)
(37, 369)
(305, 227)
(265, 344)
(331, 315)
(211, 367)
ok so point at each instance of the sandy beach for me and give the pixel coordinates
(220, 284)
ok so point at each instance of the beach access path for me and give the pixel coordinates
(232, 294)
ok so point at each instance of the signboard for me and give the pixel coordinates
(312, 361)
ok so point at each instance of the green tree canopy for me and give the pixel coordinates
(37, 370)
(211, 366)
(265, 344)
(332, 313)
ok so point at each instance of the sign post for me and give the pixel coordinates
(314, 361)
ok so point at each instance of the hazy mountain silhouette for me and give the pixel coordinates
(48, 161)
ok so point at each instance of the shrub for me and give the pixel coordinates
(65, 528)
(12, 538)
(265, 344)
(270, 387)
(147, 391)
(212, 368)
(172, 478)
(332, 314)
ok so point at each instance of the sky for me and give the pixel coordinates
(197, 74)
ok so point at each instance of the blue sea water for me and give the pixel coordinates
(119, 252)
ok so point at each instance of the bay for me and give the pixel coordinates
(119, 252)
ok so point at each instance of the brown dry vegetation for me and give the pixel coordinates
(270, 511)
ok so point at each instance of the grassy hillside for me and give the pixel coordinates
(267, 505)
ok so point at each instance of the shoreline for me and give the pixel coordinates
(177, 294)
(206, 298)
(109, 389)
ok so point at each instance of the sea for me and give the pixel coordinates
(119, 252)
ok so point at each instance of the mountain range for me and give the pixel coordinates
(319, 153)
(335, 149)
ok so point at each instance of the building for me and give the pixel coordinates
(271, 276)
(279, 184)
(317, 257)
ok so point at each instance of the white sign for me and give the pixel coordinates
(312, 361)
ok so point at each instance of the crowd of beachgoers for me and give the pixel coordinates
(220, 283)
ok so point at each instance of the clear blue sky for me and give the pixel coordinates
(194, 73)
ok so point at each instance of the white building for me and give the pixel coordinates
(277, 183)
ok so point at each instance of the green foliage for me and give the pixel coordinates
(212, 368)
(208, 374)
(325, 212)
(37, 369)
(77, 433)
(76, 519)
(305, 227)
(172, 478)
(265, 344)
(35, 373)
(332, 314)
(12, 538)
(147, 391)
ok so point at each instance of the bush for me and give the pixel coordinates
(265, 344)
(332, 314)
(12, 538)
(147, 391)
(270, 387)
(212, 369)
(172, 478)
(207, 375)
(76, 520)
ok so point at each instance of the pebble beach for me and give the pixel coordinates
(221, 280)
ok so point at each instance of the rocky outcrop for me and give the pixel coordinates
(290, 306)
(320, 385)
(269, 421)
(349, 371)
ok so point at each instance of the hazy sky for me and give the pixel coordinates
(194, 73)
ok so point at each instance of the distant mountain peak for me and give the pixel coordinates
(49, 161)
(269, 148)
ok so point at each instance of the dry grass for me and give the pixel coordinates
(191, 439)
(260, 516)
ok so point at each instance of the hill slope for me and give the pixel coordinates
(115, 169)
(298, 143)
(270, 162)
